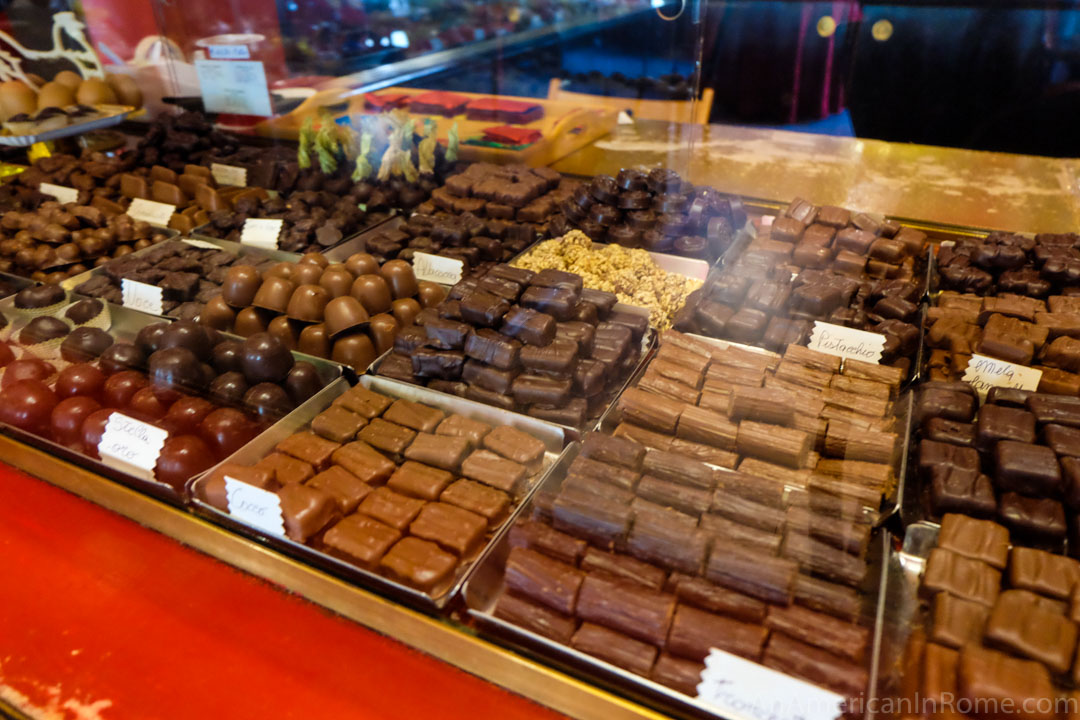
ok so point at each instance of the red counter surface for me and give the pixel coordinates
(102, 618)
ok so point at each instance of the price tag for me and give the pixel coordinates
(847, 342)
(261, 233)
(201, 244)
(741, 688)
(152, 212)
(142, 297)
(229, 174)
(131, 446)
(229, 52)
(984, 373)
(436, 268)
(236, 87)
(61, 193)
(255, 506)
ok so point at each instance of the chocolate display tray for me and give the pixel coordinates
(358, 242)
(125, 325)
(113, 115)
(485, 586)
(199, 233)
(553, 436)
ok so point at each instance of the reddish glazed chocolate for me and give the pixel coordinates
(81, 379)
(121, 387)
(226, 430)
(67, 418)
(182, 457)
(28, 405)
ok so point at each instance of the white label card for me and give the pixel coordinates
(60, 192)
(229, 52)
(152, 212)
(261, 233)
(142, 297)
(201, 244)
(237, 87)
(744, 689)
(255, 506)
(847, 342)
(984, 373)
(229, 175)
(435, 268)
(131, 446)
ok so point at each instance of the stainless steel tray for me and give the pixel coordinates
(358, 242)
(483, 589)
(115, 114)
(199, 233)
(125, 325)
(552, 435)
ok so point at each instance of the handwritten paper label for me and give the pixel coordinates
(254, 506)
(435, 268)
(261, 233)
(152, 212)
(847, 342)
(229, 175)
(229, 52)
(142, 297)
(237, 87)
(744, 689)
(201, 244)
(61, 193)
(131, 446)
(984, 373)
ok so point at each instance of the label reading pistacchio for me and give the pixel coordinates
(435, 268)
(152, 212)
(229, 175)
(131, 446)
(142, 297)
(744, 689)
(261, 233)
(60, 192)
(984, 373)
(847, 342)
(255, 506)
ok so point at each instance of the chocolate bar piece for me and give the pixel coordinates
(535, 618)
(420, 481)
(824, 560)
(309, 447)
(493, 348)
(337, 424)
(543, 579)
(1020, 625)
(515, 445)
(757, 574)
(623, 568)
(684, 498)
(993, 679)
(446, 334)
(824, 596)
(305, 510)
(965, 578)
(414, 415)
(977, 539)
(667, 542)
(695, 632)
(386, 436)
(364, 462)
(491, 469)
(460, 426)
(529, 326)
(602, 472)
(601, 521)
(419, 563)
(558, 357)
(957, 622)
(841, 638)
(546, 539)
(1026, 468)
(1042, 572)
(453, 528)
(707, 596)
(558, 302)
(439, 450)
(347, 489)
(360, 539)
(1039, 519)
(996, 422)
(613, 450)
(677, 673)
(618, 649)
(817, 666)
(626, 607)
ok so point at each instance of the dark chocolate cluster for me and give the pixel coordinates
(1047, 264)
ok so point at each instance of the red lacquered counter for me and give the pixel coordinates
(103, 618)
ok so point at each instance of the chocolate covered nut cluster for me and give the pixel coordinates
(519, 340)
(394, 486)
(1000, 625)
(348, 312)
(1047, 264)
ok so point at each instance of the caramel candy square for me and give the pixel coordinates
(305, 510)
(347, 489)
(360, 539)
(414, 415)
(490, 469)
(957, 622)
(987, 678)
(515, 445)
(364, 462)
(968, 579)
(420, 481)
(309, 447)
(286, 469)
(442, 451)
(476, 497)
(364, 402)
(418, 563)
(460, 426)
(387, 436)
(1042, 572)
(1019, 624)
(453, 528)
(977, 539)
(394, 509)
(338, 424)
(212, 489)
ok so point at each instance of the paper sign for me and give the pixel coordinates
(229, 52)
(435, 268)
(847, 342)
(237, 87)
(229, 174)
(131, 446)
(61, 193)
(984, 373)
(254, 506)
(201, 244)
(261, 233)
(142, 297)
(152, 212)
(744, 689)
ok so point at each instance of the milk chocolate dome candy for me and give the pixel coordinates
(241, 284)
(399, 276)
(303, 382)
(314, 258)
(176, 368)
(122, 356)
(84, 311)
(39, 296)
(281, 270)
(285, 331)
(429, 293)
(405, 311)
(248, 322)
(373, 292)
(343, 314)
(266, 359)
(362, 264)
(218, 315)
(356, 351)
(307, 274)
(85, 344)
(43, 329)
(384, 328)
(314, 341)
(274, 294)
(268, 401)
(308, 303)
(337, 281)
(229, 388)
(186, 334)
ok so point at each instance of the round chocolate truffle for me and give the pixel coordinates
(218, 315)
(39, 296)
(266, 359)
(268, 401)
(336, 281)
(226, 355)
(122, 356)
(356, 351)
(250, 321)
(405, 311)
(303, 382)
(399, 276)
(429, 293)
(42, 329)
(373, 292)
(176, 368)
(84, 311)
(149, 337)
(85, 344)
(186, 334)
(343, 314)
(281, 270)
(314, 341)
(241, 284)
(308, 302)
(306, 274)
(274, 294)
(315, 258)
(229, 388)
(362, 264)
